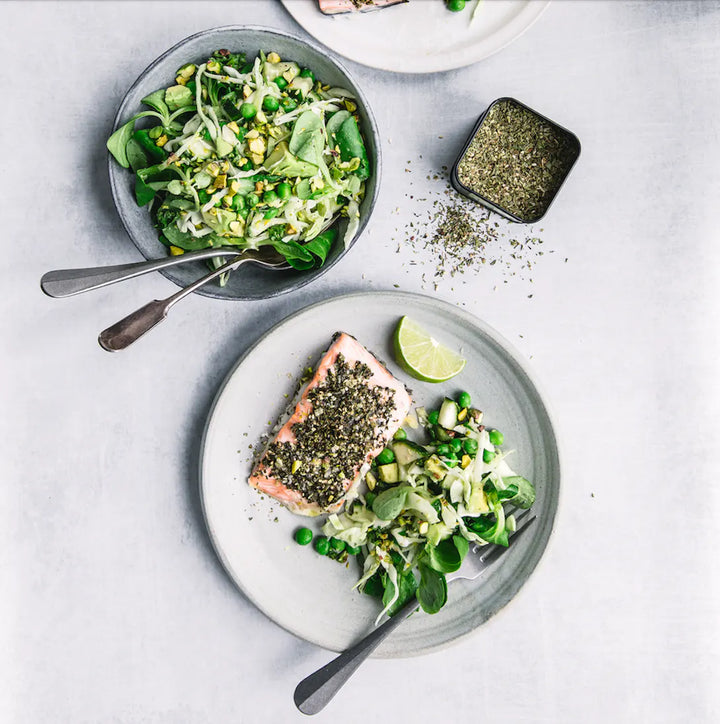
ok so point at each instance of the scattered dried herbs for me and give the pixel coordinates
(517, 160)
(459, 238)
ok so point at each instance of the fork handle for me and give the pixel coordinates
(67, 282)
(123, 333)
(314, 692)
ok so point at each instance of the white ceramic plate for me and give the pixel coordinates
(421, 36)
(310, 595)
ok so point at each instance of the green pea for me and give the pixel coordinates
(444, 449)
(271, 213)
(322, 545)
(337, 545)
(433, 417)
(456, 444)
(451, 462)
(369, 499)
(352, 550)
(488, 455)
(386, 457)
(307, 73)
(247, 166)
(456, 6)
(270, 196)
(280, 82)
(238, 202)
(464, 399)
(496, 437)
(270, 104)
(289, 104)
(203, 196)
(252, 200)
(284, 190)
(248, 111)
(400, 434)
(303, 536)
(470, 445)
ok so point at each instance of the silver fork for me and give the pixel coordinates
(314, 692)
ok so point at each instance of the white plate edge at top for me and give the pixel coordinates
(307, 15)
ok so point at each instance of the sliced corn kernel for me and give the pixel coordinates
(273, 58)
(466, 460)
(176, 251)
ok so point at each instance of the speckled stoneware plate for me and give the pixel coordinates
(310, 595)
(248, 282)
(421, 36)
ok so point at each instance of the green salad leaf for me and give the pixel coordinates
(432, 591)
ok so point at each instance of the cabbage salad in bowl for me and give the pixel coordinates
(248, 153)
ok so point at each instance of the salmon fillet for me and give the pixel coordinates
(335, 7)
(344, 417)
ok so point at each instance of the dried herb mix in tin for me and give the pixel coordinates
(517, 160)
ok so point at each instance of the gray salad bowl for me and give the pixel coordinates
(249, 282)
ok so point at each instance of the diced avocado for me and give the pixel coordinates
(222, 147)
(477, 502)
(441, 434)
(448, 414)
(389, 473)
(435, 468)
(178, 96)
(437, 532)
(407, 452)
(304, 85)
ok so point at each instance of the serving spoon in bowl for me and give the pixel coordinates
(123, 333)
(67, 282)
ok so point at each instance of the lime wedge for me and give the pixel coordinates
(422, 356)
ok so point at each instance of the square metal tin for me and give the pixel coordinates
(573, 144)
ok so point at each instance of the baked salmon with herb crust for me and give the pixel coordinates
(345, 416)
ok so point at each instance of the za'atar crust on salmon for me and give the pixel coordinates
(344, 417)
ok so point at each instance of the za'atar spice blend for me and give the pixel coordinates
(516, 160)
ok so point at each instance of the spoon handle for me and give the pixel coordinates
(123, 333)
(67, 282)
(313, 693)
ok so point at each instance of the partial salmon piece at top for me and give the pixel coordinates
(334, 7)
(345, 416)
